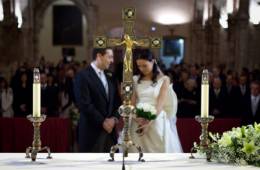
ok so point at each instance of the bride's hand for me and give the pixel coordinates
(144, 128)
(141, 121)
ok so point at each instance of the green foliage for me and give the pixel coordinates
(239, 146)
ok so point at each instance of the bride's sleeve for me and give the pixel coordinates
(134, 96)
(171, 104)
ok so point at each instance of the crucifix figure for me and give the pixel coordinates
(128, 52)
(127, 110)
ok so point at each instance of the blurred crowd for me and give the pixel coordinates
(233, 93)
(57, 97)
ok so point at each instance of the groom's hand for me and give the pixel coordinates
(109, 124)
(106, 126)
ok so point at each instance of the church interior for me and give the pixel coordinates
(57, 36)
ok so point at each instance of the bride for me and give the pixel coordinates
(154, 88)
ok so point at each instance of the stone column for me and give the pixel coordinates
(27, 31)
(92, 19)
(242, 34)
(231, 39)
(197, 35)
(10, 35)
(212, 31)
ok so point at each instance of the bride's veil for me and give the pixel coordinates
(171, 104)
(170, 108)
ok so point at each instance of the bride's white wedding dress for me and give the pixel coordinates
(162, 134)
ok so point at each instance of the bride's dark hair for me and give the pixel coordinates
(147, 55)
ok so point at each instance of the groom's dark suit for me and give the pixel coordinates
(95, 106)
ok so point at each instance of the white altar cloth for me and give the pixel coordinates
(88, 161)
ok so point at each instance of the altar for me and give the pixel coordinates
(92, 161)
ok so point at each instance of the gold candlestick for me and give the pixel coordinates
(36, 144)
(204, 139)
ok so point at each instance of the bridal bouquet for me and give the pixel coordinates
(146, 111)
(239, 146)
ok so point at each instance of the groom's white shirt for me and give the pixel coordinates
(101, 75)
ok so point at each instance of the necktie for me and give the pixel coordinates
(104, 82)
(229, 89)
(243, 89)
(217, 92)
(254, 104)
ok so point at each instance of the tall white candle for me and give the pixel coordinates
(36, 93)
(205, 93)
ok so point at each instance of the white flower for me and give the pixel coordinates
(225, 140)
(237, 133)
(153, 110)
(147, 107)
(139, 105)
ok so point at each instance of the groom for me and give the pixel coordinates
(98, 101)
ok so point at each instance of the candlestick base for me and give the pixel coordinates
(36, 144)
(204, 140)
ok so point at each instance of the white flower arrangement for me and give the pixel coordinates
(239, 146)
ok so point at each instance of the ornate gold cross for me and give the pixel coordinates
(129, 40)
(128, 16)
(127, 110)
